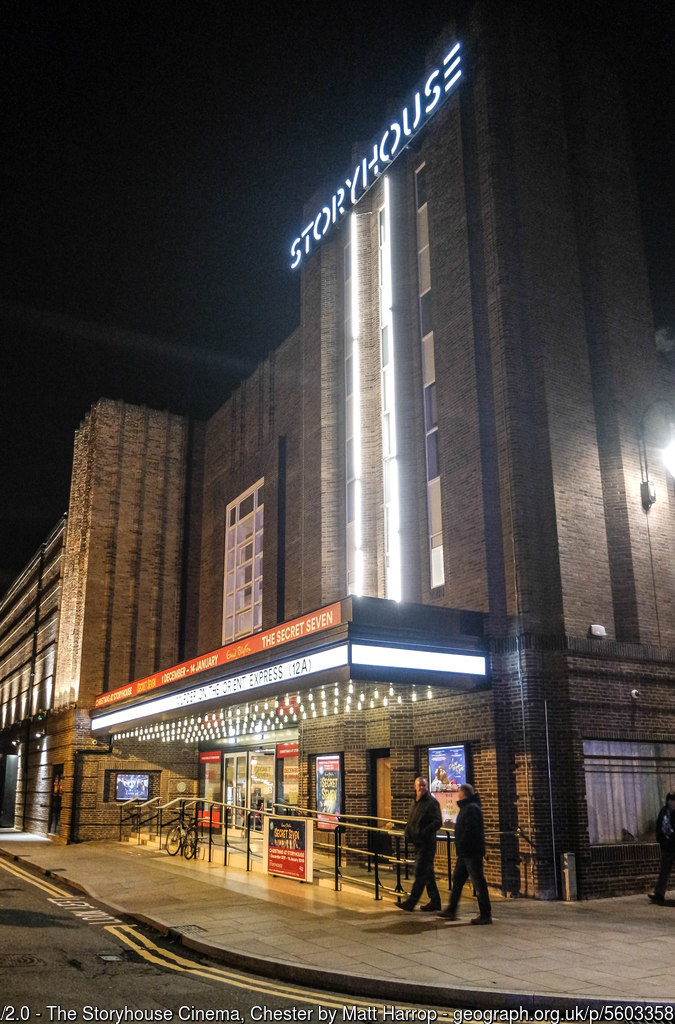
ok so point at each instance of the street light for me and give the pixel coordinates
(647, 487)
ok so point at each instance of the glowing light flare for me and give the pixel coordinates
(388, 386)
(668, 454)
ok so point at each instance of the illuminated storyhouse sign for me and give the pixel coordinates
(395, 138)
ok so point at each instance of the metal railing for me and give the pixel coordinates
(374, 856)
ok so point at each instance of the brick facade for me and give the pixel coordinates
(546, 374)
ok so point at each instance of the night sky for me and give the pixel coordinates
(156, 157)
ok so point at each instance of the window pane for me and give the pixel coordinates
(421, 185)
(384, 343)
(424, 270)
(244, 547)
(428, 361)
(432, 455)
(435, 518)
(625, 785)
(430, 408)
(422, 229)
(426, 321)
(437, 571)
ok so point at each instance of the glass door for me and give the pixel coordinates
(261, 783)
(235, 787)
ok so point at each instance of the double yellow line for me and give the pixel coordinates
(40, 883)
(157, 955)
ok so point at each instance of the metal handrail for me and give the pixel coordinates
(216, 815)
(131, 804)
(140, 820)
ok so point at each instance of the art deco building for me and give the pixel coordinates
(432, 532)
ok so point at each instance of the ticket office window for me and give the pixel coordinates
(288, 781)
(261, 783)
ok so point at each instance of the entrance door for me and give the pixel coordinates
(8, 771)
(55, 801)
(261, 783)
(383, 787)
(235, 786)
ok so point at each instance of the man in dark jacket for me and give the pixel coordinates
(665, 835)
(469, 853)
(424, 821)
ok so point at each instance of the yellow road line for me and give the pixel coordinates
(149, 951)
(27, 876)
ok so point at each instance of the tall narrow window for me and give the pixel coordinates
(434, 515)
(244, 564)
(392, 542)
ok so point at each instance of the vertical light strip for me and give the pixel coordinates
(356, 407)
(388, 389)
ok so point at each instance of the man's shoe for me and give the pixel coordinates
(655, 898)
(448, 914)
(406, 905)
(431, 908)
(481, 919)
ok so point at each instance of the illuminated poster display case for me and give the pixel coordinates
(288, 774)
(328, 790)
(448, 768)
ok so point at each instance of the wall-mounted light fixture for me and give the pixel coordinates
(665, 434)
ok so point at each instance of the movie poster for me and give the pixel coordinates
(288, 850)
(447, 772)
(328, 790)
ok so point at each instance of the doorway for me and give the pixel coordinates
(249, 782)
(235, 786)
(383, 786)
(8, 774)
(55, 801)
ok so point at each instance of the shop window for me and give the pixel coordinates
(243, 564)
(626, 783)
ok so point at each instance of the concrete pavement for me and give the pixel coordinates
(536, 955)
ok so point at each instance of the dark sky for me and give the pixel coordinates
(156, 157)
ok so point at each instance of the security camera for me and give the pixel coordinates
(635, 694)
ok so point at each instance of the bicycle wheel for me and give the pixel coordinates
(174, 840)
(190, 841)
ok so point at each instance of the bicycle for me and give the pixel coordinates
(183, 839)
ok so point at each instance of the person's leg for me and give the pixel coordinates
(665, 867)
(430, 875)
(474, 866)
(420, 881)
(459, 877)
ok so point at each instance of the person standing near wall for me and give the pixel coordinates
(665, 835)
(470, 851)
(424, 821)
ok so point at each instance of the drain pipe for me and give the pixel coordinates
(526, 752)
(550, 800)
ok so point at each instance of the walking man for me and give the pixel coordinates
(469, 851)
(665, 835)
(424, 821)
